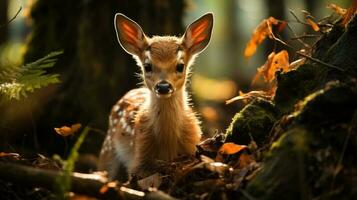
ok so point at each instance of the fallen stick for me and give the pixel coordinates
(87, 184)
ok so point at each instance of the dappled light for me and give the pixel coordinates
(178, 99)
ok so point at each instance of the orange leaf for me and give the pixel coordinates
(66, 131)
(231, 148)
(314, 26)
(260, 33)
(337, 9)
(275, 62)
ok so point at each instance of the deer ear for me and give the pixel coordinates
(198, 34)
(130, 35)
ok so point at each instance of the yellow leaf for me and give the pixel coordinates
(66, 131)
(260, 33)
(231, 148)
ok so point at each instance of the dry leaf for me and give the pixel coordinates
(313, 24)
(150, 181)
(275, 62)
(11, 155)
(231, 148)
(263, 30)
(337, 9)
(66, 131)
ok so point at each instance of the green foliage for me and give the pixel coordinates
(64, 181)
(16, 82)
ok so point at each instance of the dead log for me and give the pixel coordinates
(86, 184)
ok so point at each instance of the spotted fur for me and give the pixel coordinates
(145, 126)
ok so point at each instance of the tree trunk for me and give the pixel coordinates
(94, 70)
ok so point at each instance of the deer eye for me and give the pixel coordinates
(180, 67)
(148, 67)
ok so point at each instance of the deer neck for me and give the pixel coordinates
(168, 114)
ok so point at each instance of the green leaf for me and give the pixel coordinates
(16, 82)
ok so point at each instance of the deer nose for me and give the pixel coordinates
(163, 87)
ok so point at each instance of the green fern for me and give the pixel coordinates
(16, 82)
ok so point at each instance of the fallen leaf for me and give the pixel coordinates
(150, 181)
(231, 148)
(107, 186)
(66, 131)
(10, 155)
(263, 30)
(313, 25)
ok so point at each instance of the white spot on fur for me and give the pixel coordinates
(113, 130)
(115, 121)
(128, 129)
(116, 108)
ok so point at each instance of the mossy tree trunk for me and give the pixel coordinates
(94, 70)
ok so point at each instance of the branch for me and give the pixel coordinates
(13, 18)
(88, 184)
(319, 61)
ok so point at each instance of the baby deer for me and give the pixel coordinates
(154, 122)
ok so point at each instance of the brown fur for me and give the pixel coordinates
(144, 126)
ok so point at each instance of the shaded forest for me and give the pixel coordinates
(284, 130)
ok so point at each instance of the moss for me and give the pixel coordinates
(295, 85)
(302, 163)
(281, 176)
(254, 121)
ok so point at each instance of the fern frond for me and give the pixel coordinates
(16, 82)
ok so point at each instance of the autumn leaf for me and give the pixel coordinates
(337, 9)
(231, 148)
(66, 131)
(263, 30)
(313, 25)
(346, 14)
(275, 62)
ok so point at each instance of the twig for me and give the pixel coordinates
(297, 19)
(319, 61)
(88, 184)
(295, 35)
(12, 19)
(304, 36)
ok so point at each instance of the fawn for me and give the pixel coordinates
(154, 122)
